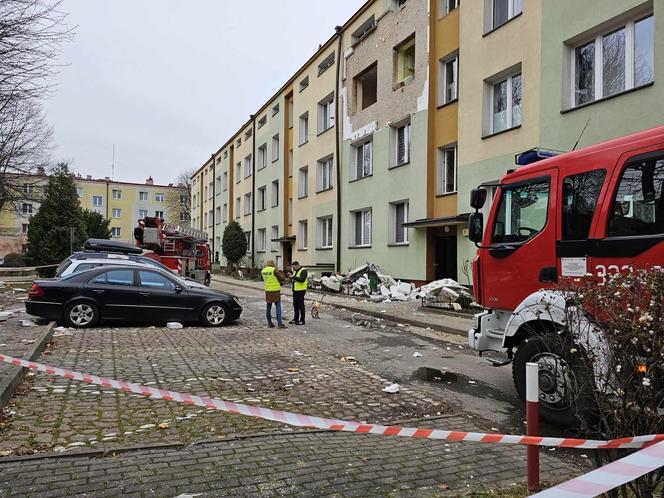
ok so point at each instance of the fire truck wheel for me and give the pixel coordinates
(81, 314)
(565, 384)
(215, 315)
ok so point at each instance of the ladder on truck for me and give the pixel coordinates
(172, 229)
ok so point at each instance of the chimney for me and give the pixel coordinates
(88, 177)
(149, 181)
(107, 178)
(170, 184)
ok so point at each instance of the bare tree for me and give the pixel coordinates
(31, 35)
(178, 201)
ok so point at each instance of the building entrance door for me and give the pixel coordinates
(446, 258)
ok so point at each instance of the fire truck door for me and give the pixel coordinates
(521, 258)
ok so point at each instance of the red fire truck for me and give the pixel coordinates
(184, 250)
(597, 210)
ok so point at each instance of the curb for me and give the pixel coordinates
(16, 375)
(385, 316)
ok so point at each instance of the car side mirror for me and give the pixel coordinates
(476, 227)
(178, 289)
(477, 198)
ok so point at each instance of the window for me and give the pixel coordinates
(326, 113)
(159, 214)
(26, 208)
(84, 267)
(117, 194)
(449, 70)
(115, 231)
(224, 213)
(224, 181)
(363, 31)
(217, 187)
(366, 87)
(501, 11)
(505, 101)
(362, 164)
(237, 207)
(274, 235)
(115, 277)
(142, 196)
(404, 60)
(247, 134)
(154, 281)
(24, 228)
(521, 212)
(304, 128)
(142, 213)
(302, 234)
(304, 83)
(238, 172)
(247, 166)
(361, 228)
(97, 200)
(290, 112)
(117, 213)
(324, 174)
(261, 157)
(27, 189)
(184, 217)
(303, 182)
(247, 204)
(275, 110)
(262, 122)
(398, 216)
(260, 240)
(79, 191)
(580, 194)
(324, 232)
(247, 237)
(239, 142)
(400, 138)
(260, 198)
(225, 154)
(326, 63)
(448, 170)
(448, 6)
(613, 62)
(275, 193)
(637, 208)
(400, 4)
(160, 197)
(275, 148)
(205, 194)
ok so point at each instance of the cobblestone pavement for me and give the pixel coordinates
(248, 363)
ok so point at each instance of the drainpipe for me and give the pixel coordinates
(337, 124)
(214, 200)
(253, 189)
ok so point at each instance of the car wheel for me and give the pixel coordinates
(565, 385)
(215, 315)
(81, 314)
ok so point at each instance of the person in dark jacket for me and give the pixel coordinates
(299, 277)
(272, 281)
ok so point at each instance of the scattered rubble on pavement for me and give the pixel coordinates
(369, 281)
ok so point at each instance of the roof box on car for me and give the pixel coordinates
(105, 245)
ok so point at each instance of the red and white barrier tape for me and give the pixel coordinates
(610, 476)
(299, 420)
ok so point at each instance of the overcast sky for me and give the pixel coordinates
(169, 81)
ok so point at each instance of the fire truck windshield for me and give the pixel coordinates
(522, 211)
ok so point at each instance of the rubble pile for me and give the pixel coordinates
(371, 282)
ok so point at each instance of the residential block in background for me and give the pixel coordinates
(370, 150)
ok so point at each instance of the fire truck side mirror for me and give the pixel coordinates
(476, 227)
(477, 198)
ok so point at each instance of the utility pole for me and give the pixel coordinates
(72, 231)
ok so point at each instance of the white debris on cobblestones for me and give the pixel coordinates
(391, 389)
(174, 325)
(28, 323)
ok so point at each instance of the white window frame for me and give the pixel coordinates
(490, 84)
(238, 207)
(447, 6)
(94, 200)
(26, 208)
(160, 197)
(325, 232)
(116, 213)
(117, 194)
(115, 232)
(261, 235)
(276, 145)
(143, 196)
(514, 8)
(142, 213)
(247, 204)
(238, 172)
(442, 169)
(261, 158)
(326, 113)
(393, 229)
(224, 213)
(442, 98)
(261, 202)
(275, 193)
(303, 235)
(303, 129)
(363, 230)
(247, 166)
(274, 234)
(363, 147)
(325, 174)
(394, 136)
(159, 214)
(303, 182)
(596, 39)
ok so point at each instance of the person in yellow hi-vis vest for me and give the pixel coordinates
(299, 277)
(272, 280)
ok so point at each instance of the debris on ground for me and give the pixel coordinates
(417, 355)
(5, 315)
(174, 325)
(349, 359)
(391, 389)
(369, 281)
(28, 323)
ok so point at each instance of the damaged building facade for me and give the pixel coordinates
(369, 151)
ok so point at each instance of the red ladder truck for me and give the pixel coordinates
(598, 210)
(184, 250)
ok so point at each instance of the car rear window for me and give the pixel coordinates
(114, 277)
(62, 267)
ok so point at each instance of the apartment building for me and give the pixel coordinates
(384, 131)
(123, 203)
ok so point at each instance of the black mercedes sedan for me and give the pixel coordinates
(129, 293)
